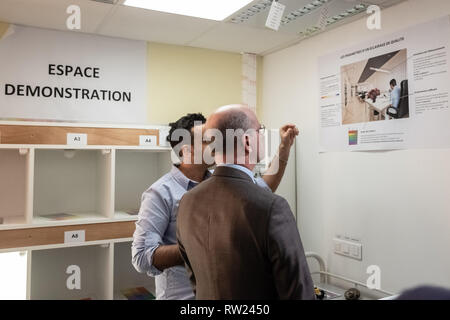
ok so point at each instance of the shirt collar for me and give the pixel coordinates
(184, 181)
(239, 167)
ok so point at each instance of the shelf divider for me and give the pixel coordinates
(30, 187)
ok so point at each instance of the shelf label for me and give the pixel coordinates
(77, 139)
(74, 236)
(145, 140)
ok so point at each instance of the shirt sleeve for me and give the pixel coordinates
(153, 220)
(262, 183)
(395, 97)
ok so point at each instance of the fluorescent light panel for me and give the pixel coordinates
(379, 70)
(303, 11)
(253, 10)
(206, 9)
(346, 14)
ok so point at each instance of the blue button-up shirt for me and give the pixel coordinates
(156, 226)
(395, 96)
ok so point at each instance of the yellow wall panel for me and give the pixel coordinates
(185, 79)
(3, 28)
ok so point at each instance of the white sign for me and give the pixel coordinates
(77, 139)
(388, 93)
(71, 76)
(275, 15)
(145, 140)
(74, 236)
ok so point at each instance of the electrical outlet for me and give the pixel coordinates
(348, 248)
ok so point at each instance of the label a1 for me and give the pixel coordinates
(77, 139)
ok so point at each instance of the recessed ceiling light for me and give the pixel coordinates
(206, 9)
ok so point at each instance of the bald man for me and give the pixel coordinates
(240, 241)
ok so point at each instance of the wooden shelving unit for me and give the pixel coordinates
(48, 189)
(147, 166)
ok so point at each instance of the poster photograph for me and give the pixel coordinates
(373, 89)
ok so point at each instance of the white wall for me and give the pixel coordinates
(397, 202)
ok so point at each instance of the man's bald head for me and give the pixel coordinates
(238, 127)
(234, 117)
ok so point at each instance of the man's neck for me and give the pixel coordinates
(195, 172)
(244, 163)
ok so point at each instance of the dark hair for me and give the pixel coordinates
(393, 82)
(187, 122)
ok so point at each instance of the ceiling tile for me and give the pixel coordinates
(52, 14)
(238, 38)
(135, 23)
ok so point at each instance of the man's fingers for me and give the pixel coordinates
(289, 131)
(293, 131)
(293, 134)
(287, 126)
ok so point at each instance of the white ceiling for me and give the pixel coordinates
(133, 23)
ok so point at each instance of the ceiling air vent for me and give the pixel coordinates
(305, 18)
(106, 1)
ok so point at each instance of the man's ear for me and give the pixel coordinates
(246, 142)
(186, 153)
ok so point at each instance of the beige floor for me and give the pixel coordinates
(354, 112)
